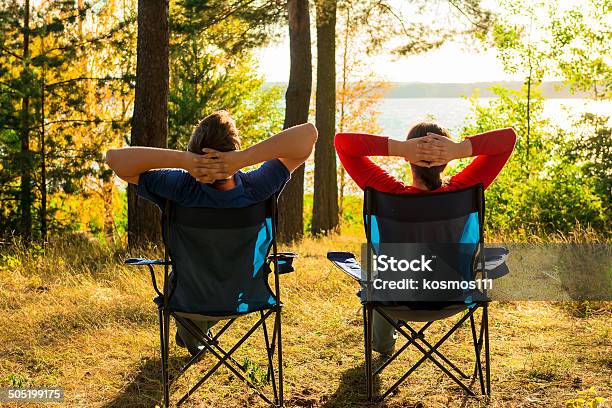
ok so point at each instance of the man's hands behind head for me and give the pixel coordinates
(213, 165)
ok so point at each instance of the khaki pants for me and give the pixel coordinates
(384, 335)
(191, 342)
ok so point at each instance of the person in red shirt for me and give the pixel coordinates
(428, 148)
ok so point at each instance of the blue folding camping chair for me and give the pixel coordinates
(220, 262)
(455, 218)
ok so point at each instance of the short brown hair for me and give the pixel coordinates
(430, 176)
(216, 131)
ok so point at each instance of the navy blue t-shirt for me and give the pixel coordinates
(179, 186)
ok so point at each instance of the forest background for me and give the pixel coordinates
(68, 78)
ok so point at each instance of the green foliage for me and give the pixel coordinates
(572, 40)
(581, 46)
(203, 81)
(552, 184)
(85, 61)
(15, 381)
(211, 67)
(254, 372)
(57, 109)
(590, 148)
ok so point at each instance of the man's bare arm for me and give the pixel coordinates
(291, 146)
(128, 163)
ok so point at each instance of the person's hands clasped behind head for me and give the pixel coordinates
(215, 165)
(438, 150)
(423, 152)
(431, 150)
(207, 168)
(292, 147)
(217, 133)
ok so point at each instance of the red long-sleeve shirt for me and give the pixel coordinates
(492, 150)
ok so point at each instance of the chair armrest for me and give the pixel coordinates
(143, 261)
(495, 262)
(284, 261)
(149, 263)
(347, 263)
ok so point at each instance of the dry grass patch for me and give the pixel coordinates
(79, 319)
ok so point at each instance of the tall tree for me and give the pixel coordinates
(212, 67)
(26, 159)
(325, 205)
(42, 111)
(359, 89)
(297, 103)
(150, 119)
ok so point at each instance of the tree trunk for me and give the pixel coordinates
(528, 110)
(150, 119)
(25, 202)
(345, 47)
(43, 152)
(325, 206)
(297, 100)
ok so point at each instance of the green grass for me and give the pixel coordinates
(77, 318)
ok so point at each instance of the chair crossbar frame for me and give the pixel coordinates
(224, 357)
(430, 352)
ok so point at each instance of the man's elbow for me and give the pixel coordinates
(312, 132)
(339, 141)
(111, 158)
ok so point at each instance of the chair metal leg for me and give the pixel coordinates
(477, 348)
(279, 345)
(163, 351)
(212, 341)
(224, 358)
(270, 358)
(421, 336)
(429, 353)
(367, 324)
(485, 317)
(409, 341)
(167, 349)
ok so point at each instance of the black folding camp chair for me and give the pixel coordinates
(441, 218)
(220, 261)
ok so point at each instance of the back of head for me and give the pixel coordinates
(216, 131)
(430, 176)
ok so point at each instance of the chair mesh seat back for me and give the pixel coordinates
(449, 217)
(434, 218)
(219, 259)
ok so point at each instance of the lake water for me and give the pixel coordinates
(396, 115)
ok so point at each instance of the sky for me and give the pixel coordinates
(453, 62)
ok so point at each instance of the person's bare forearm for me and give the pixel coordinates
(398, 148)
(132, 161)
(295, 143)
(291, 146)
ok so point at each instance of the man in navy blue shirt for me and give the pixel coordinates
(209, 173)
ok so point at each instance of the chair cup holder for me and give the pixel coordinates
(285, 261)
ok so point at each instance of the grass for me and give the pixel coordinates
(77, 318)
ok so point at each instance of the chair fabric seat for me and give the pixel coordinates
(409, 314)
(158, 300)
